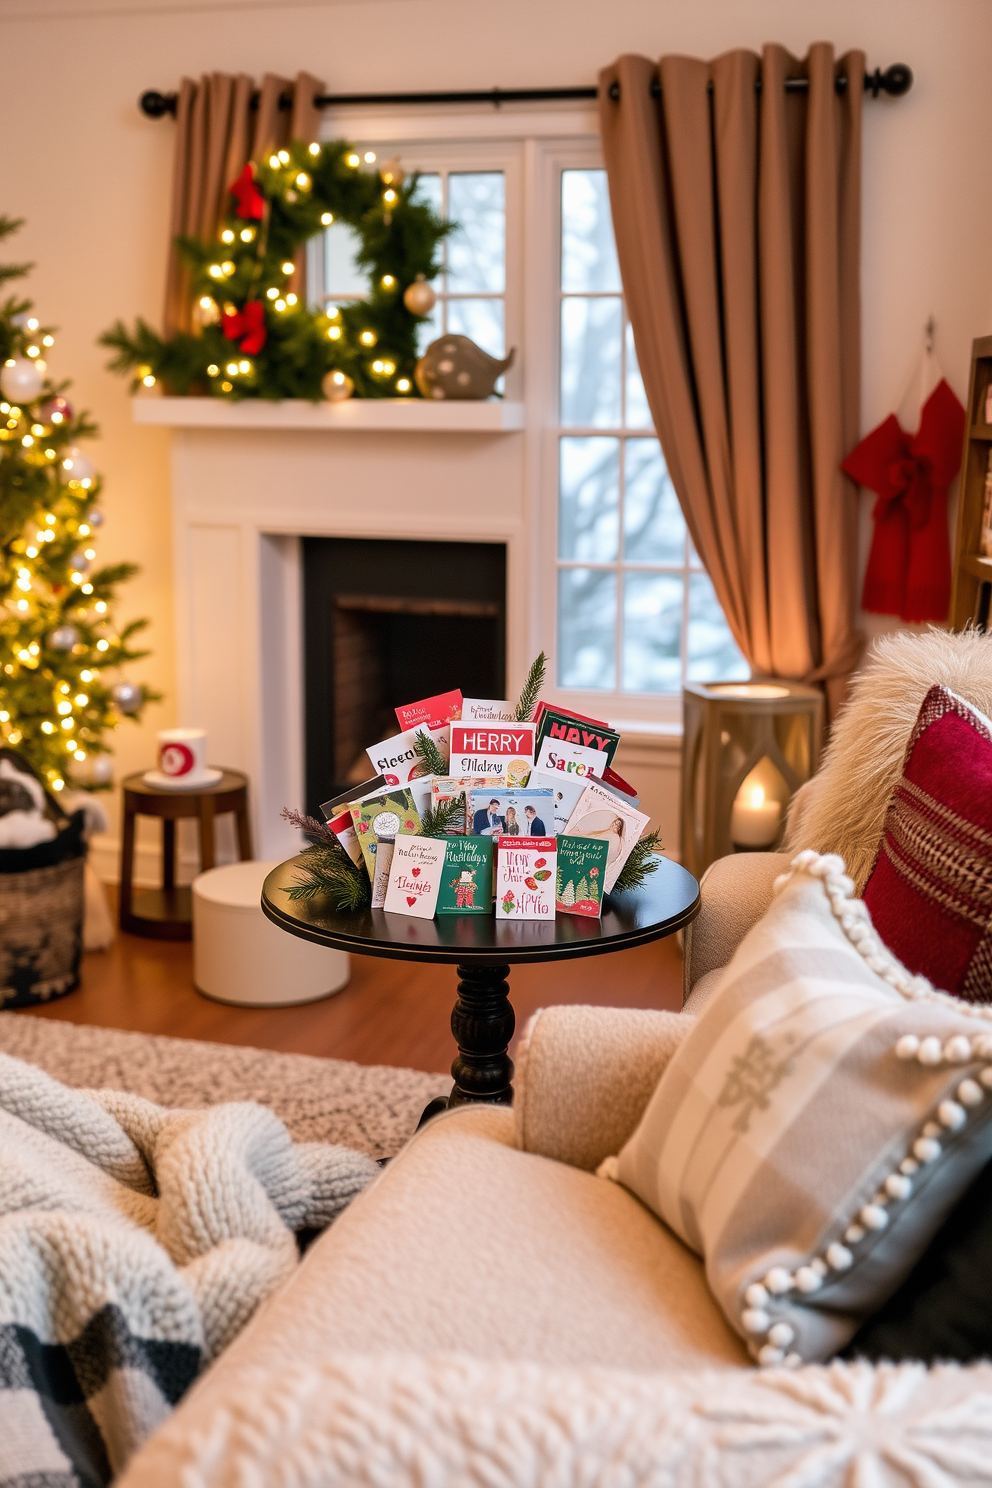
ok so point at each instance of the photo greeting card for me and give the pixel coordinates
(467, 876)
(396, 758)
(487, 710)
(493, 749)
(415, 876)
(383, 818)
(511, 813)
(430, 713)
(566, 727)
(601, 814)
(456, 788)
(525, 878)
(580, 876)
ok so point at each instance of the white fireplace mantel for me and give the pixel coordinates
(401, 415)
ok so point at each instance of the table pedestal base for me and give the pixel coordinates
(482, 1022)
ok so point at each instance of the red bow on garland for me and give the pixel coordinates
(248, 323)
(251, 202)
(909, 566)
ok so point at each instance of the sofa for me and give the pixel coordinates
(489, 1311)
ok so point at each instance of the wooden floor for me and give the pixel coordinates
(391, 1012)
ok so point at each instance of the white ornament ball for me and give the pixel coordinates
(95, 518)
(21, 380)
(337, 386)
(101, 769)
(128, 696)
(80, 562)
(63, 638)
(418, 297)
(75, 465)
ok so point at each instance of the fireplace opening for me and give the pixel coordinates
(387, 622)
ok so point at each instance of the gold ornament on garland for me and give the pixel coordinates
(254, 335)
(418, 297)
(337, 387)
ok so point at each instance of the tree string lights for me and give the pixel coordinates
(57, 634)
(255, 336)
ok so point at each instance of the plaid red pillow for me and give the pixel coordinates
(930, 891)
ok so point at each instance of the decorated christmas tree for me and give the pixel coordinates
(61, 685)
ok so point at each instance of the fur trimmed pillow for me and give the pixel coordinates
(930, 892)
(814, 1129)
(842, 809)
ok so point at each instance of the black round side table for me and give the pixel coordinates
(483, 949)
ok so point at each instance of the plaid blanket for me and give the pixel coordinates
(135, 1243)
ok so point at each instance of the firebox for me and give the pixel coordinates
(387, 622)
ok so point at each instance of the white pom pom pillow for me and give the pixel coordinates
(817, 1125)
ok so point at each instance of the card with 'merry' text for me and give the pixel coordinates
(415, 876)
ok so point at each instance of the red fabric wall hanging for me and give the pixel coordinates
(909, 566)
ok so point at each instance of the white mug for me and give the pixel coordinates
(182, 755)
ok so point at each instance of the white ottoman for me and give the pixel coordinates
(241, 957)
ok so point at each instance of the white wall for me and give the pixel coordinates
(92, 175)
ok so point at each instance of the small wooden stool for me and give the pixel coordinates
(167, 913)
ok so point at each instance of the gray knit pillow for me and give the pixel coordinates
(817, 1125)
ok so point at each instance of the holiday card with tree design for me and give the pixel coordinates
(580, 877)
(467, 879)
(525, 878)
(383, 818)
(415, 876)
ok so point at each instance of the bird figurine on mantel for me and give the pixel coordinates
(454, 367)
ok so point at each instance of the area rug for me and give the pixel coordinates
(374, 1108)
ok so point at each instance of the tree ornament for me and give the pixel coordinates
(391, 172)
(63, 638)
(127, 696)
(21, 380)
(337, 387)
(75, 465)
(418, 297)
(95, 518)
(57, 411)
(206, 311)
(79, 562)
(454, 367)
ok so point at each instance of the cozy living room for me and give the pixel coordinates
(495, 907)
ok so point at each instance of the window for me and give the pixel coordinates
(636, 612)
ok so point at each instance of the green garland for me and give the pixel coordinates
(257, 339)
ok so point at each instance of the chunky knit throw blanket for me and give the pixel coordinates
(135, 1243)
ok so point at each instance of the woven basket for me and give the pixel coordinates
(41, 918)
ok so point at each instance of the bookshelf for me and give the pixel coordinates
(972, 577)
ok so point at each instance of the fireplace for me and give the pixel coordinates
(387, 622)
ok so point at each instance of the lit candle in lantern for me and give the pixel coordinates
(754, 820)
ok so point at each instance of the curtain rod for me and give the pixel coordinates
(894, 81)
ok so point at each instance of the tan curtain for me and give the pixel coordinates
(737, 219)
(217, 132)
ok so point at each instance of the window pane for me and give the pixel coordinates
(713, 653)
(482, 320)
(653, 524)
(587, 618)
(638, 415)
(342, 280)
(589, 487)
(428, 330)
(590, 362)
(476, 252)
(588, 251)
(652, 632)
(431, 191)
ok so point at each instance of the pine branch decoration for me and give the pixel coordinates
(430, 757)
(643, 861)
(327, 871)
(531, 690)
(437, 821)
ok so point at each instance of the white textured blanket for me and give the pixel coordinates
(135, 1242)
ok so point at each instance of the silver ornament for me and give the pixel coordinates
(21, 380)
(337, 386)
(418, 297)
(75, 465)
(80, 562)
(95, 518)
(454, 367)
(63, 638)
(128, 696)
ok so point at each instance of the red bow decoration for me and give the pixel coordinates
(909, 566)
(248, 323)
(251, 202)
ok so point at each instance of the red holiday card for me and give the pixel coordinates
(415, 876)
(525, 878)
(491, 749)
(432, 712)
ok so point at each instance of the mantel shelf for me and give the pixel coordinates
(379, 415)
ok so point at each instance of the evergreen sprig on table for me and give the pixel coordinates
(327, 871)
(643, 861)
(430, 757)
(437, 821)
(531, 690)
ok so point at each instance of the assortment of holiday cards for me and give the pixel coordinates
(541, 823)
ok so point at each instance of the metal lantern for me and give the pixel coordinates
(747, 747)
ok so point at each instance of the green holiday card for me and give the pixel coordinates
(383, 818)
(581, 870)
(467, 877)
